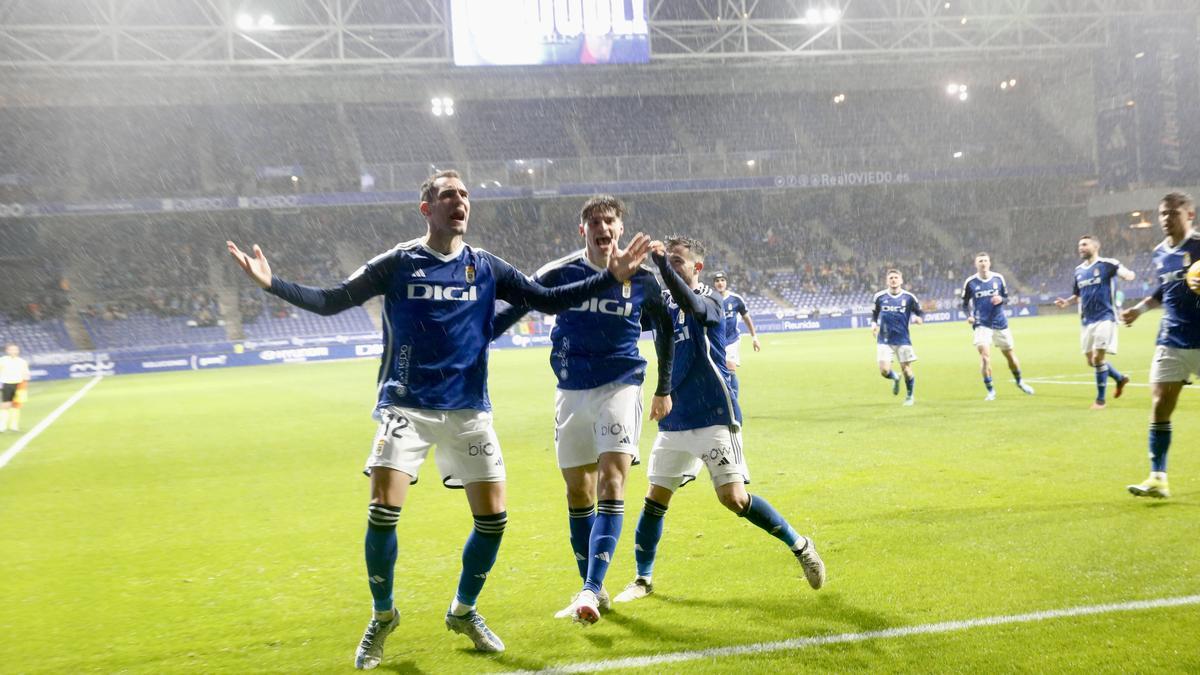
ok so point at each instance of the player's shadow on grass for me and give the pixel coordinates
(407, 667)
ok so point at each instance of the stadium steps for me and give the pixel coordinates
(77, 299)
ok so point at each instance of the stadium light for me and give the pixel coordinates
(958, 154)
(840, 98)
(962, 95)
(750, 163)
(952, 88)
(821, 16)
(247, 22)
(442, 105)
(295, 179)
(1139, 55)
(529, 171)
(1136, 214)
(1129, 103)
(1012, 82)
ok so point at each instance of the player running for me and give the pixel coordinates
(983, 296)
(598, 403)
(734, 305)
(439, 302)
(704, 423)
(1096, 292)
(14, 383)
(894, 309)
(1177, 357)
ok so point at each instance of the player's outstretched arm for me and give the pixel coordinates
(520, 291)
(364, 284)
(257, 267)
(1063, 302)
(1131, 314)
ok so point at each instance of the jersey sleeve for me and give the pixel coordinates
(966, 296)
(365, 283)
(1003, 289)
(741, 306)
(510, 315)
(709, 313)
(1075, 286)
(658, 318)
(916, 306)
(521, 291)
(878, 308)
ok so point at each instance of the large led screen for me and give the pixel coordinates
(548, 32)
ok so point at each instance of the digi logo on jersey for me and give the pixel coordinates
(902, 307)
(987, 293)
(606, 306)
(435, 292)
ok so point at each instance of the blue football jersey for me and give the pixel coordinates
(892, 313)
(1180, 325)
(596, 342)
(1096, 286)
(437, 318)
(977, 298)
(701, 385)
(734, 306)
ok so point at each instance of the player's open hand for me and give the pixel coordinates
(996, 300)
(660, 407)
(658, 248)
(757, 346)
(918, 320)
(970, 321)
(257, 268)
(1061, 303)
(1129, 315)
(625, 263)
(875, 330)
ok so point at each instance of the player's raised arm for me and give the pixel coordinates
(256, 267)
(1125, 274)
(689, 302)
(659, 319)
(367, 282)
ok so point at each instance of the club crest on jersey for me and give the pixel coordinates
(1095, 273)
(470, 274)
(627, 290)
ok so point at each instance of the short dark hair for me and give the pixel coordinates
(427, 192)
(601, 203)
(983, 254)
(1178, 199)
(891, 272)
(692, 245)
(1092, 237)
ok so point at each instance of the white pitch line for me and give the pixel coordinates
(904, 631)
(47, 421)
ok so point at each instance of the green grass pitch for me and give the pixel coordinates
(213, 521)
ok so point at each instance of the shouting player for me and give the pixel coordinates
(598, 404)
(704, 423)
(1177, 356)
(439, 303)
(1096, 292)
(894, 309)
(983, 296)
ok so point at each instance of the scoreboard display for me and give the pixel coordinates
(549, 32)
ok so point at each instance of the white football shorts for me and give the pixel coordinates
(677, 455)
(1172, 364)
(588, 422)
(467, 448)
(733, 351)
(1099, 335)
(1002, 339)
(902, 353)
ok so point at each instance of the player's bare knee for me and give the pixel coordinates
(659, 494)
(734, 497)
